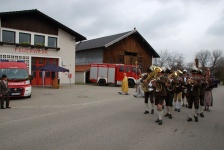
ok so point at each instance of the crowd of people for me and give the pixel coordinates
(170, 90)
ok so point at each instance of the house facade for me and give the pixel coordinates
(38, 39)
(128, 48)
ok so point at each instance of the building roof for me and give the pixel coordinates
(107, 41)
(77, 36)
(82, 68)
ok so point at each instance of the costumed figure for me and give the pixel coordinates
(139, 91)
(124, 86)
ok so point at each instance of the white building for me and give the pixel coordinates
(38, 39)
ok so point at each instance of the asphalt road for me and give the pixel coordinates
(89, 117)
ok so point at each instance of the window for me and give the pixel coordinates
(55, 61)
(121, 69)
(47, 74)
(8, 36)
(48, 61)
(24, 38)
(39, 40)
(128, 69)
(52, 41)
(41, 60)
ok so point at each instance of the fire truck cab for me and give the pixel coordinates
(104, 74)
(18, 77)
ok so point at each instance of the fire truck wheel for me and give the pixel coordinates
(102, 82)
(131, 83)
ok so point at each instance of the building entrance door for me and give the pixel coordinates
(40, 77)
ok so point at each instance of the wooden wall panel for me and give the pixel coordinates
(29, 23)
(132, 44)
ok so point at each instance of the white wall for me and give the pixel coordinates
(66, 54)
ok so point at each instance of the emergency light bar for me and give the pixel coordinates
(6, 60)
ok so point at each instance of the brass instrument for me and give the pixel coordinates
(171, 77)
(151, 77)
(170, 86)
(178, 73)
(192, 81)
(158, 86)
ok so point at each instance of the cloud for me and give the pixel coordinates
(217, 28)
(185, 26)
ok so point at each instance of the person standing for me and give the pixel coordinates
(170, 94)
(4, 92)
(177, 93)
(148, 91)
(160, 94)
(204, 83)
(208, 93)
(124, 86)
(184, 89)
(193, 93)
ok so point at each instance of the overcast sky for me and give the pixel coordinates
(183, 26)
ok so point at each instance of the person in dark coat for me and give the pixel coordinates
(170, 93)
(148, 94)
(160, 94)
(204, 84)
(4, 92)
(193, 95)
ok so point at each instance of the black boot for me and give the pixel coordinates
(202, 115)
(196, 118)
(152, 111)
(146, 112)
(189, 119)
(166, 115)
(160, 122)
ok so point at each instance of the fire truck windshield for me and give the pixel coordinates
(14, 73)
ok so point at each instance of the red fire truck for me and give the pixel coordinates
(18, 77)
(104, 74)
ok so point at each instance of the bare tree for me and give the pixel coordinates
(164, 57)
(217, 60)
(176, 61)
(203, 58)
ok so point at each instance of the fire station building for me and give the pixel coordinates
(38, 39)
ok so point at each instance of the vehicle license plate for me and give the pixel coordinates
(15, 94)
